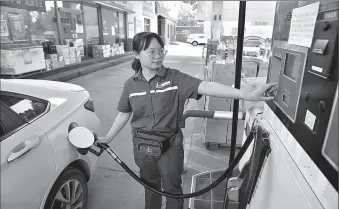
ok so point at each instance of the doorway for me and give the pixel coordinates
(161, 27)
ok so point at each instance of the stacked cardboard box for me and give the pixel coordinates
(6, 59)
(100, 51)
(72, 55)
(61, 61)
(112, 51)
(63, 50)
(122, 48)
(78, 55)
(53, 61)
(107, 51)
(115, 49)
(53, 58)
(48, 64)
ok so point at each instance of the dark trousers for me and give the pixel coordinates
(163, 172)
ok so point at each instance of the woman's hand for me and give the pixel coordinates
(263, 93)
(101, 139)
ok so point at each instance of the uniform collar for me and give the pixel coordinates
(160, 72)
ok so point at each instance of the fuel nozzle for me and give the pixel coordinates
(84, 139)
(101, 146)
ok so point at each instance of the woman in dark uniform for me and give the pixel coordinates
(156, 96)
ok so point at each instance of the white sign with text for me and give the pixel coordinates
(302, 25)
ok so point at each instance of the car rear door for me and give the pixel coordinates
(27, 162)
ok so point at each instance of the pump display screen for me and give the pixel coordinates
(292, 64)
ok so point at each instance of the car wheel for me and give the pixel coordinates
(194, 43)
(69, 191)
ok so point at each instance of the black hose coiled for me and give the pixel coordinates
(226, 174)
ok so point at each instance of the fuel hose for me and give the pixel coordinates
(227, 173)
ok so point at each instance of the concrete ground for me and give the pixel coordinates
(110, 186)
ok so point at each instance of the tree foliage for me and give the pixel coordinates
(187, 13)
(193, 3)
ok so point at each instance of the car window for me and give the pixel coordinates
(2, 130)
(201, 36)
(26, 107)
(10, 122)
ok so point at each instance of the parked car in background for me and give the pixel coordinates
(196, 39)
(40, 168)
(251, 46)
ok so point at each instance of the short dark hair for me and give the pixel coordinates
(141, 41)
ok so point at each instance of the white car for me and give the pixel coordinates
(252, 46)
(40, 168)
(196, 39)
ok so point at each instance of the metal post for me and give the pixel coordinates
(126, 29)
(101, 35)
(238, 66)
(58, 23)
(85, 31)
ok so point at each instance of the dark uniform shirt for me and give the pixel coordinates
(158, 104)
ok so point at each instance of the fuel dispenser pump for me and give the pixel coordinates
(302, 121)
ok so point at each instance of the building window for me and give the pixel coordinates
(116, 26)
(110, 26)
(69, 5)
(215, 17)
(147, 25)
(91, 25)
(122, 34)
(219, 17)
(43, 25)
(92, 36)
(168, 31)
(20, 25)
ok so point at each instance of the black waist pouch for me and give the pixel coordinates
(152, 143)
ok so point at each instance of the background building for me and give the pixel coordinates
(221, 18)
(38, 35)
(44, 35)
(166, 22)
(152, 16)
(143, 19)
(81, 24)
